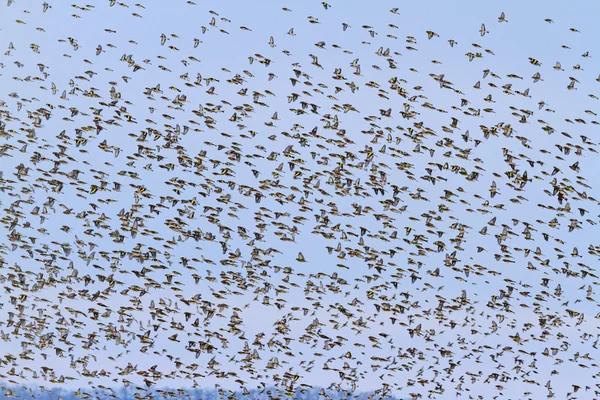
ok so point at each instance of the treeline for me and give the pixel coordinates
(10, 392)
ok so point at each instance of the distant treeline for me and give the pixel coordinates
(18, 392)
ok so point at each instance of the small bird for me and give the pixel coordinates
(482, 30)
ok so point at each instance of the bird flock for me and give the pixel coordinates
(221, 195)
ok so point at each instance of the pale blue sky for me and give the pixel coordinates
(525, 35)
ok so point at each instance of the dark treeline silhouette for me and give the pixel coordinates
(10, 392)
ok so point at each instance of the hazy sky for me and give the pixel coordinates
(222, 53)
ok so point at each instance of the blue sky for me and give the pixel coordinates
(223, 53)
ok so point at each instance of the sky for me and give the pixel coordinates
(222, 52)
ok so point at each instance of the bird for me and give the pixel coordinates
(482, 30)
